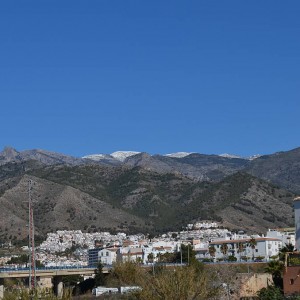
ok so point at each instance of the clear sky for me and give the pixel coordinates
(96, 76)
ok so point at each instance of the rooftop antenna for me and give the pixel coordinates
(32, 265)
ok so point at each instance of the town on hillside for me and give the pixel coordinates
(205, 242)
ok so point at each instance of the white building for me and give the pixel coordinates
(204, 225)
(201, 249)
(297, 221)
(130, 254)
(265, 248)
(108, 256)
(287, 237)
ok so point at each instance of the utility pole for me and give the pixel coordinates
(181, 255)
(153, 267)
(32, 265)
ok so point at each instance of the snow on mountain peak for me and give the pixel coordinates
(96, 157)
(178, 154)
(236, 156)
(122, 155)
(230, 155)
(252, 157)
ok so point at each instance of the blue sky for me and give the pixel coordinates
(83, 77)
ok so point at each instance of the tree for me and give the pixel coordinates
(287, 248)
(187, 253)
(241, 249)
(151, 236)
(174, 235)
(224, 249)
(167, 257)
(99, 276)
(125, 273)
(212, 251)
(188, 282)
(22, 259)
(270, 293)
(150, 257)
(71, 280)
(139, 260)
(275, 268)
(252, 243)
(232, 258)
(39, 264)
(86, 285)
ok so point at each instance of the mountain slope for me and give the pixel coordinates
(282, 169)
(45, 157)
(243, 201)
(56, 207)
(168, 201)
(198, 166)
(147, 192)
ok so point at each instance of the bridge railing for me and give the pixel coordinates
(54, 268)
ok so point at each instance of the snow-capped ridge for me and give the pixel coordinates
(252, 157)
(97, 157)
(230, 155)
(118, 155)
(179, 154)
(122, 155)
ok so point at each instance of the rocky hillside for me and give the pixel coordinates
(93, 197)
(197, 166)
(57, 207)
(11, 155)
(147, 193)
(282, 169)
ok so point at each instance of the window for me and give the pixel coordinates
(107, 254)
(291, 281)
(256, 250)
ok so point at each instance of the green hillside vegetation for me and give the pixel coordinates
(170, 201)
(282, 169)
(93, 197)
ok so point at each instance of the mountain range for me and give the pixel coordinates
(136, 191)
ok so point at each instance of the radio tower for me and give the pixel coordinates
(32, 275)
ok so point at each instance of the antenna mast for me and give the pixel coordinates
(32, 267)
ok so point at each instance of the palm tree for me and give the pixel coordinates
(159, 257)
(287, 248)
(150, 257)
(212, 250)
(224, 249)
(240, 249)
(252, 243)
(275, 268)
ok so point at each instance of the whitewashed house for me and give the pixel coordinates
(265, 248)
(107, 256)
(201, 249)
(130, 254)
(287, 237)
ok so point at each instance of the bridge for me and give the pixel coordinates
(54, 273)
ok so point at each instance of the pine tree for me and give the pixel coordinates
(100, 279)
